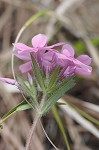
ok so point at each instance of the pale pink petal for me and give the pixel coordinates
(82, 71)
(46, 63)
(39, 40)
(9, 81)
(60, 56)
(68, 50)
(55, 45)
(69, 71)
(22, 46)
(23, 56)
(84, 59)
(81, 65)
(48, 55)
(25, 67)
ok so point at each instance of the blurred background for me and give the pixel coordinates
(72, 21)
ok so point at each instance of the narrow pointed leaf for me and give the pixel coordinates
(64, 87)
(33, 88)
(21, 106)
(60, 124)
(58, 85)
(38, 73)
(53, 78)
(27, 90)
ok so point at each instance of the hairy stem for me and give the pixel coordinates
(42, 101)
(36, 119)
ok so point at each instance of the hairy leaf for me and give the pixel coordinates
(64, 87)
(38, 74)
(27, 90)
(53, 78)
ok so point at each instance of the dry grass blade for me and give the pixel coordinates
(77, 117)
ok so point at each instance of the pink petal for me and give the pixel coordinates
(25, 67)
(68, 50)
(39, 40)
(79, 64)
(81, 71)
(23, 56)
(9, 81)
(55, 45)
(48, 55)
(46, 63)
(22, 46)
(84, 59)
(60, 56)
(69, 71)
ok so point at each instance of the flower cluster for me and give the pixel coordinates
(48, 58)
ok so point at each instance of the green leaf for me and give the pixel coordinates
(38, 74)
(27, 90)
(58, 85)
(59, 122)
(33, 88)
(63, 87)
(53, 78)
(21, 106)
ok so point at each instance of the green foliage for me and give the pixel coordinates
(53, 78)
(38, 74)
(60, 124)
(27, 90)
(21, 106)
(33, 89)
(62, 88)
(80, 47)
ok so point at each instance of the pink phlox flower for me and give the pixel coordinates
(39, 42)
(46, 61)
(39, 49)
(80, 65)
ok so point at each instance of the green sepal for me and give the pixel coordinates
(38, 74)
(21, 106)
(57, 94)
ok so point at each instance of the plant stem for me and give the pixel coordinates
(36, 119)
(42, 101)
